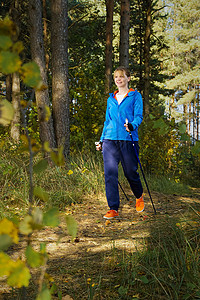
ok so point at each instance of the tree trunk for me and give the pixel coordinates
(9, 87)
(15, 125)
(147, 58)
(38, 55)
(60, 90)
(141, 47)
(13, 82)
(109, 38)
(45, 33)
(198, 115)
(124, 33)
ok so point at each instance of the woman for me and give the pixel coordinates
(116, 142)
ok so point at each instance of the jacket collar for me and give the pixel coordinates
(128, 94)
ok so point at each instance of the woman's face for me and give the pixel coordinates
(121, 79)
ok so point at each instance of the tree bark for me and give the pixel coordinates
(9, 87)
(109, 38)
(38, 55)
(15, 125)
(147, 58)
(141, 44)
(124, 33)
(13, 82)
(60, 90)
(45, 33)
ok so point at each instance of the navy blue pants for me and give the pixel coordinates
(115, 152)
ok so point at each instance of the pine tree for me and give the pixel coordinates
(183, 62)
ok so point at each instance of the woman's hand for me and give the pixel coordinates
(129, 127)
(98, 146)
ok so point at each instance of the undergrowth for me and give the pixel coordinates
(168, 264)
(82, 176)
(168, 267)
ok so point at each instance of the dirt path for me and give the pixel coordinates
(73, 266)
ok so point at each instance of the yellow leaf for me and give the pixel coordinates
(26, 225)
(19, 275)
(70, 172)
(9, 62)
(7, 227)
(7, 27)
(31, 74)
(6, 112)
(18, 47)
(6, 264)
(88, 280)
(47, 113)
(107, 222)
(46, 147)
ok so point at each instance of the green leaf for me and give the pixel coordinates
(6, 112)
(31, 74)
(19, 275)
(71, 226)
(122, 290)
(185, 137)
(44, 294)
(58, 158)
(54, 288)
(160, 123)
(51, 218)
(182, 128)
(40, 166)
(151, 117)
(198, 294)
(196, 148)
(5, 241)
(40, 193)
(43, 248)
(34, 259)
(18, 47)
(5, 42)
(144, 279)
(9, 62)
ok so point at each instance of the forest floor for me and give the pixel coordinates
(80, 267)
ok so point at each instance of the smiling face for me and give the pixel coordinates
(121, 79)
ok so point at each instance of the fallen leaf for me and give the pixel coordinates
(67, 297)
(107, 222)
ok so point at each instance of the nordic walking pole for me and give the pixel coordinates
(97, 143)
(141, 168)
(123, 191)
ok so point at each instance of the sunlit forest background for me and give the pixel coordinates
(164, 64)
(56, 65)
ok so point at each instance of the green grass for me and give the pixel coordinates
(167, 185)
(82, 176)
(167, 267)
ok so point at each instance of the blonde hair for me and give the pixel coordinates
(123, 70)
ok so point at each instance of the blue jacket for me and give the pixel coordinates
(131, 108)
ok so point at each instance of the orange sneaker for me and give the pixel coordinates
(111, 214)
(140, 204)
